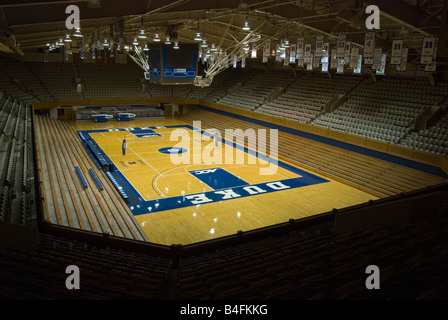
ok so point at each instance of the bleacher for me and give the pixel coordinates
(16, 162)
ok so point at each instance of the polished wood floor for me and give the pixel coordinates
(156, 176)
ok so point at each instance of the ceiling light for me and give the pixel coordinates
(198, 36)
(145, 48)
(156, 38)
(105, 43)
(167, 41)
(204, 43)
(67, 38)
(176, 45)
(142, 34)
(135, 42)
(78, 33)
(246, 26)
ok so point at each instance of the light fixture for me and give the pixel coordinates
(67, 38)
(286, 43)
(142, 34)
(213, 48)
(167, 41)
(198, 36)
(105, 43)
(156, 38)
(204, 43)
(246, 26)
(135, 42)
(145, 48)
(78, 33)
(176, 45)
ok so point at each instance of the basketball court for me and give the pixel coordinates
(183, 186)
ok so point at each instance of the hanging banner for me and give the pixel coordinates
(326, 53)
(397, 51)
(235, 61)
(307, 55)
(340, 66)
(92, 46)
(267, 50)
(300, 62)
(111, 41)
(243, 62)
(120, 37)
(325, 67)
(358, 68)
(319, 46)
(309, 66)
(333, 60)
(300, 47)
(377, 59)
(340, 51)
(348, 50)
(403, 61)
(382, 68)
(253, 54)
(316, 62)
(292, 53)
(354, 58)
(98, 44)
(429, 45)
(369, 47)
(81, 48)
(433, 66)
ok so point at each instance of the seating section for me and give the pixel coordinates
(111, 81)
(66, 201)
(255, 89)
(16, 162)
(385, 110)
(306, 98)
(433, 139)
(308, 263)
(58, 78)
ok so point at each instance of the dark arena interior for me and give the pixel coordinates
(92, 208)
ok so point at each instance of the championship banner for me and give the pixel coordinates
(429, 45)
(316, 62)
(293, 53)
(81, 48)
(300, 47)
(307, 56)
(98, 44)
(404, 60)
(111, 41)
(243, 62)
(300, 63)
(377, 59)
(340, 66)
(348, 49)
(309, 66)
(325, 67)
(235, 61)
(286, 59)
(326, 53)
(267, 50)
(340, 51)
(319, 46)
(433, 66)
(397, 51)
(358, 68)
(333, 60)
(92, 47)
(254, 51)
(369, 47)
(120, 36)
(382, 68)
(354, 58)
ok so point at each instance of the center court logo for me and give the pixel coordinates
(229, 148)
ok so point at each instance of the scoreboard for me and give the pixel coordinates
(173, 66)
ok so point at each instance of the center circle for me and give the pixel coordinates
(172, 150)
